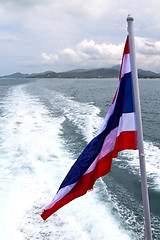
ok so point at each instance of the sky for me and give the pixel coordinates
(60, 35)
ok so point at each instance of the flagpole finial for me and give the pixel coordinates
(130, 18)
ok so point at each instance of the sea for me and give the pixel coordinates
(44, 126)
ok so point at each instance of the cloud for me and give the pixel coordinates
(24, 3)
(148, 53)
(147, 47)
(78, 8)
(49, 59)
(88, 53)
(7, 37)
(90, 8)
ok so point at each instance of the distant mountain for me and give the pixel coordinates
(48, 74)
(117, 67)
(92, 73)
(16, 75)
(79, 70)
(82, 73)
(112, 72)
(21, 75)
(147, 74)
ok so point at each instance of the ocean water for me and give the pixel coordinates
(44, 126)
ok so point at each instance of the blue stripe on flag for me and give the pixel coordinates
(124, 102)
(84, 160)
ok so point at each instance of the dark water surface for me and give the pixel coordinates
(44, 126)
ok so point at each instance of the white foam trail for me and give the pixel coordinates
(93, 223)
(34, 161)
(26, 136)
(152, 159)
(84, 116)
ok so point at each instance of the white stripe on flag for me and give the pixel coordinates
(127, 122)
(59, 195)
(126, 67)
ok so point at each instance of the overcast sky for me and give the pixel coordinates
(60, 35)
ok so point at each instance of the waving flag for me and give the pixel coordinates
(118, 132)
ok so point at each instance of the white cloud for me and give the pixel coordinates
(90, 8)
(148, 54)
(24, 3)
(7, 37)
(147, 46)
(49, 59)
(88, 53)
(78, 8)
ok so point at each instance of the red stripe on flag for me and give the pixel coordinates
(126, 51)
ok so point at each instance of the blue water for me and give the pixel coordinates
(44, 126)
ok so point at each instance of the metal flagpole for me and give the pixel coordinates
(145, 199)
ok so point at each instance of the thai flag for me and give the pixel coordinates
(118, 132)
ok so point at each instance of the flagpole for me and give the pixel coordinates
(145, 198)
